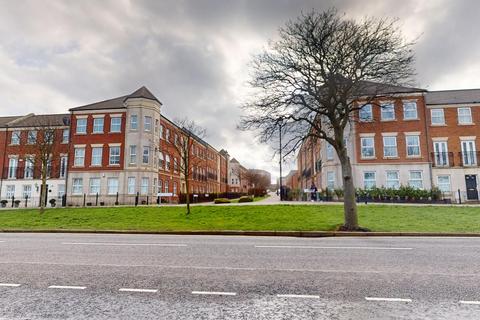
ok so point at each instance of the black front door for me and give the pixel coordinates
(471, 183)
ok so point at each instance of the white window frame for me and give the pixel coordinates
(147, 123)
(93, 189)
(112, 186)
(131, 185)
(12, 168)
(114, 126)
(390, 147)
(365, 114)
(167, 162)
(65, 135)
(63, 166)
(469, 152)
(133, 122)
(408, 146)
(81, 126)
(331, 180)
(144, 185)
(363, 147)
(10, 191)
(132, 159)
(384, 111)
(77, 186)
(330, 151)
(15, 138)
(442, 185)
(113, 157)
(409, 104)
(27, 191)
(29, 168)
(166, 186)
(79, 157)
(392, 183)
(369, 183)
(415, 182)
(98, 124)
(146, 155)
(96, 160)
(461, 119)
(32, 137)
(437, 119)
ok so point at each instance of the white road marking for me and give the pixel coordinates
(137, 290)
(215, 293)
(349, 248)
(307, 296)
(469, 302)
(388, 299)
(124, 244)
(67, 287)
(9, 285)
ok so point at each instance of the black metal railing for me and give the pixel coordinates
(442, 159)
(468, 158)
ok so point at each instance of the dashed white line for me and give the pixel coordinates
(388, 299)
(137, 290)
(215, 293)
(67, 287)
(347, 248)
(124, 244)
(305, 296)
(9, 285)
(470, 302)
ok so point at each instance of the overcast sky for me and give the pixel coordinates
(193, 55)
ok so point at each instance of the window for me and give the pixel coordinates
(330, 180)
(167, 135)
(133, 122)
(369, 180)
(365, 113)
(98, 125)
(387, 112)
(464, 115)
(81, 126)
(438, 117)
(144, 186)
(329, 151)
(166, 186)
(32, 137)
(176, 139)
(167, 162)
(133, 154)
(392, 180)
(162, 130)
(112, 186)
(27, 191)
(416, 180)
(146, 155)
(174, 188)
(389, 147)
(114, 158)
(368, 148)
(12, 168)
(410, 110)
(97, 156)
(469, 155)
(115, 124)
(444, 183)
(15, 138)
(159, 190)
(79, 158)
(65, 135)
(94, 185)
(156, 125)
(77, 186)
(10, 191)
(154, 187)
(413, 146)
(175, 164)
(28, 174)
(61, 190)
(63, 166)
(49, 167)
(147, 124)
(131, 185)
(49, 136)
(161, 161)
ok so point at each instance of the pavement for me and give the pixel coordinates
(97, 276)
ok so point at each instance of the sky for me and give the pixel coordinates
(194, 55)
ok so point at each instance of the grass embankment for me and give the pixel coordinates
(273, 217)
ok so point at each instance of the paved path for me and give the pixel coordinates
(78, 276)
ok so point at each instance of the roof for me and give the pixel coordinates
(32, 120)
(375, 88)
(118, 103)
(4, 121)
(234, 160)
(453, 96)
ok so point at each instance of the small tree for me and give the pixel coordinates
(43, 141)
(311, 82)
(191, 134)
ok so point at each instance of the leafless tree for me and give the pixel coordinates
(322, 70)
(191, 134)
(43, 141)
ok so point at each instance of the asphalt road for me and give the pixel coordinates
(79, 276)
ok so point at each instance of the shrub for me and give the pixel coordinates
(338, 193)
(245, 199)
(221, 200)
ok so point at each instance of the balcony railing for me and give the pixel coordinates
(35, 172)
(469, 158)
(442, 159)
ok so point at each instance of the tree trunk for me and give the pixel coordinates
(187, 184)
(43, 192)
(349, 202)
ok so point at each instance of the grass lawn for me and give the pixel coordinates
(273, 217)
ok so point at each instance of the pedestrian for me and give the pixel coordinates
(313, 190)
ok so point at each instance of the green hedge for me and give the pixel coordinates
(221, 200)
(404, 192)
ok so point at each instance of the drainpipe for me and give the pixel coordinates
(4, 158)
(427, 138)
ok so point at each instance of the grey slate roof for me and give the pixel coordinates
(117, 103)
(6, 120)
(32, 120)
(375, 88)
(453, 96)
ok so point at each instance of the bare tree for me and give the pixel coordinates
(43, 141)
(312, 81)
(184, 146)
